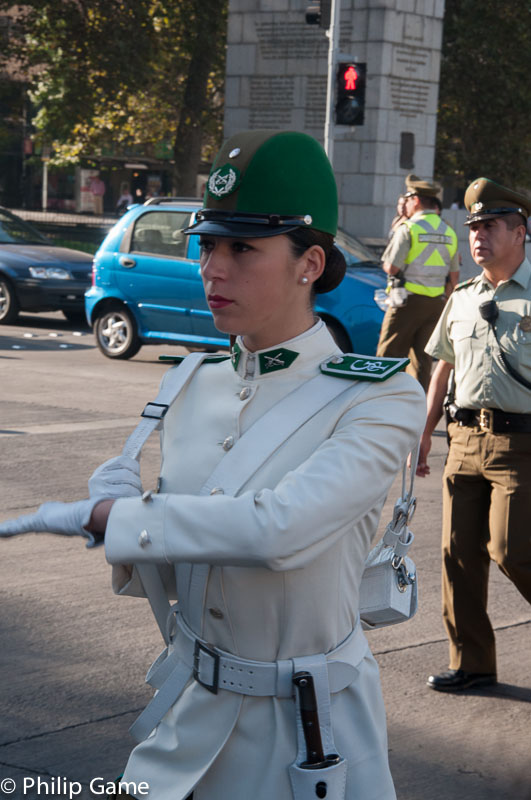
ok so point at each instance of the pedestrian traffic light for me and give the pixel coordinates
(350, 93)
(319, 14)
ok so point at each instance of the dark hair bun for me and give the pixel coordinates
(333, 273)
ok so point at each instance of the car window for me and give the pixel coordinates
(353, 250)
(15, 231)
(161, 233)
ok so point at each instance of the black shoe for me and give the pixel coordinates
(457, 679)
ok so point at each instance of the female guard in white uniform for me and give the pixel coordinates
(266, 566)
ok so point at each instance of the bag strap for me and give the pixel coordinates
(397, 534)
(153, 419)
(154, 412)
(271, 430)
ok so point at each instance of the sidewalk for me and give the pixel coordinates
(64, 218)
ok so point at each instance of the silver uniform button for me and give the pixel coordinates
(216, 613)
(245, 392)
(228, 443)
(144, 538)
(217, 490)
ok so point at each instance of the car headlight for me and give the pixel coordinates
(381, 299)
(50, 272)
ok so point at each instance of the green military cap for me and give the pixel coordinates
(415, 185)
(485, 199)
(265, 183)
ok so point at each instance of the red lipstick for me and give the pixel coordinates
(218, 301)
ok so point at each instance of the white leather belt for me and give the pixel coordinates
(191, 657)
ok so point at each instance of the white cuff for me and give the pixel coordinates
(135, 531)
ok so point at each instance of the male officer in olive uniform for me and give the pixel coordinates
(422, 256)
(484, 334)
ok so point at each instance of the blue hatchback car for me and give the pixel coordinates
(146, 287)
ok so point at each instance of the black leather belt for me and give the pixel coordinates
(496, 421)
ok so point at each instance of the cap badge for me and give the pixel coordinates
(476, 207)
(235, 152)
(224, 180)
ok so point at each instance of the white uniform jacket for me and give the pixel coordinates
(286, 556)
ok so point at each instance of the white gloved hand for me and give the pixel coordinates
(67, 519)
(117, 477)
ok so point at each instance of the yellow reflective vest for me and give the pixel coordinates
(433, 245)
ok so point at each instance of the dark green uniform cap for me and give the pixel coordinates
(485, 199)
(265, 183)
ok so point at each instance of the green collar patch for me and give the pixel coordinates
(224, 181)
(273, 360)
(281, 358)
(213, 359)
(356, 367)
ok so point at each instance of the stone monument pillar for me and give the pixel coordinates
(276, 78)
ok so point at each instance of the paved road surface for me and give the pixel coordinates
(74, 655)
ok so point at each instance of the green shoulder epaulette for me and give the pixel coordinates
(464, 283)
(357, 367)
(213, 359)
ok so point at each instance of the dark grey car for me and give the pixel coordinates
(37, 276)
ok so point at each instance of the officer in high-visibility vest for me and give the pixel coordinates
(421, 260)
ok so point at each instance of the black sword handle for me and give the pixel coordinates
(303, 681)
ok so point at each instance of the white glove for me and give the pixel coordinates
(68, 519)
(117, 477)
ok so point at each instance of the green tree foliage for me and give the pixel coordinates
(485, 92)
(106, 75)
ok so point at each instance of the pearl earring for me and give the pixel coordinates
(304, 279)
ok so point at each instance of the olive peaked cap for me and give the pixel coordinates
(485, 199)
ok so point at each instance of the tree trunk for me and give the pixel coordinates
(209, 26)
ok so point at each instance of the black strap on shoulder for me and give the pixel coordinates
(510, 369)
(489, 312)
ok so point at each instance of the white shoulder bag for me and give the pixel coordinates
(388, 591)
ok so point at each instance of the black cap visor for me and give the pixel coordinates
(245, 226)
(491, 213)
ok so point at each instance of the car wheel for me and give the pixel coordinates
(9, 306)
(339, 335)
(116, 336)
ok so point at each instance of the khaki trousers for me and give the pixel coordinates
(486, 515)
(406, 330)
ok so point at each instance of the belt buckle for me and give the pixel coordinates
(199, 647)
(486, 420)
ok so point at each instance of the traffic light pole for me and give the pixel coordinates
(333, 47)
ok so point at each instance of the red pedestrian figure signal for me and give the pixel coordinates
(350, 93)
(351, 77)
